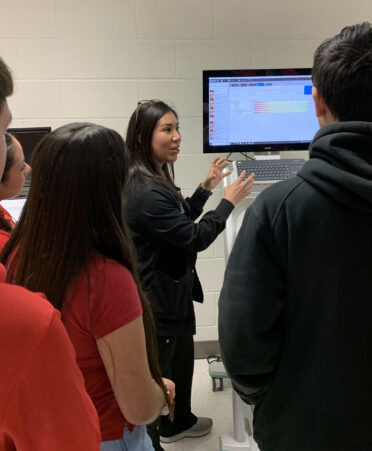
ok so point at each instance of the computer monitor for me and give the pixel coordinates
(257, 110)
(29, 138)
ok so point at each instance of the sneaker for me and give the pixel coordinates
(201, 427)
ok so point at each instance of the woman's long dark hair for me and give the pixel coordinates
(138, 144)
(74, 211)
(4, 224)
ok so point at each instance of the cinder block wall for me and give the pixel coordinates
(92, 60)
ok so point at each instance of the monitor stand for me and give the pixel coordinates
(275, 155)
(271, 155)
(247, 157)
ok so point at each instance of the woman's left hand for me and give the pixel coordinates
(215, 174)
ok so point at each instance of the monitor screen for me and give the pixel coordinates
(257, 110)
(28, 137)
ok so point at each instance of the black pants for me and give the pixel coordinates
(176, 360)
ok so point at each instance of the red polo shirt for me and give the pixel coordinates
(43, 402)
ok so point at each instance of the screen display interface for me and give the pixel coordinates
(258, 110)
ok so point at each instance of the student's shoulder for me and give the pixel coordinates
(114, 297)
(20, 299)
(110, 272)
(278, 193)
(24, 314)
(274, 202)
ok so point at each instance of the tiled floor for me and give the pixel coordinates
(217, 405)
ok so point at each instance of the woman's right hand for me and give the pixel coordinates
(239, 189)
(171, 390)
(170, 386)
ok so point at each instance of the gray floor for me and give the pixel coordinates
(217, 405)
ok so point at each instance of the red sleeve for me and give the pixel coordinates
(6, 215)
(56, 412)
(4, 237)
(117, 302)
(2, 273)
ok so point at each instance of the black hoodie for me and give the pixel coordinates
(295, 317)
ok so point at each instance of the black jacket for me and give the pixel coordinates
(167, 241)
(295, 311)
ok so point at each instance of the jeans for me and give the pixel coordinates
(137, 440)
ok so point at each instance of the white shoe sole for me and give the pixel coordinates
(185, 434)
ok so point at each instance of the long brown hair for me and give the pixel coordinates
(74, 211)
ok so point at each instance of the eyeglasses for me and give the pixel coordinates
(145, 102)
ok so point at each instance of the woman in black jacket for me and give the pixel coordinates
(167, 241)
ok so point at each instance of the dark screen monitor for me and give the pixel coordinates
(29, 138)
(257, 110)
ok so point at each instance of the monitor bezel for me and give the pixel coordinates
(16, 132)
(24, 130)
(245, 148)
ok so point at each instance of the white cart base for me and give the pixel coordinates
(227, 443)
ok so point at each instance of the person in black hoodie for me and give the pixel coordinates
(296, 305)
(167, 239)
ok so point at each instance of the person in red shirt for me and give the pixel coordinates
(43, 402)
(11, 183)
(71, 243)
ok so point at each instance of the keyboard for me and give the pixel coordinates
(270, 171)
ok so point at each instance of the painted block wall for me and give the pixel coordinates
(92, 60)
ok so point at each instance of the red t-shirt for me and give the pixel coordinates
(98, 307)
(4, 236)
(43, 402)
(6, 215)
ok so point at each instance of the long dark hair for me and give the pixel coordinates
(138, 144)
(4, 224)
(73, 212)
